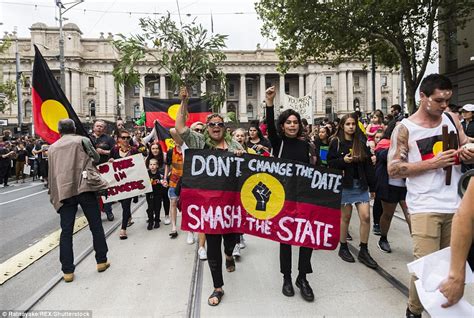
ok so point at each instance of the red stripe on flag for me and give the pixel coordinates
(166, 121)
(427, 156)
(41, 129)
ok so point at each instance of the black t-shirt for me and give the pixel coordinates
(263, 141)
(21, 155)
(104, 142)
(468, 128)
(155, 179)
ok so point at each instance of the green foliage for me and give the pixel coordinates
(188, 54)
(7, 94)
(397, 32)
(4, 45)
(232, 117)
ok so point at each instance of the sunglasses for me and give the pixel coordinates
(126, 137)
(198, 130)
(215, 124)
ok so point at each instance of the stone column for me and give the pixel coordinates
(142, 89)
(163, 94)
(394, 89)
(203, 87)
(378, 91)
(76, 101)
(281, 90)
(342, 92)
(301, 85)
(368, 94)
(243, 100)
(318, 99)
(350, 92)
(261, 96)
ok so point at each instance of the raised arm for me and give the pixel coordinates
(270, 116)
(182, 116)
(398, 165)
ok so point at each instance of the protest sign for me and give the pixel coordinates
(303, 105)
(127, 178)
(281, 200)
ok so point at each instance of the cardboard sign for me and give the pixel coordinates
(281, 200)
(303, 105)
(127, 177)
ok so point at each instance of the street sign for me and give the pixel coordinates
(3, 122)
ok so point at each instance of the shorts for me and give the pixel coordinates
(172, 193)
(395, 194)
(354, 195)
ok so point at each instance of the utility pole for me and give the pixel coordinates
(18, 80)
(373, 82)
(62, 11)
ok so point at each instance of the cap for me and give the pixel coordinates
(468, 107)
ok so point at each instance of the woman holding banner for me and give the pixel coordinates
(286, 144)
(348, 152)
(214, 137)
(122, 150)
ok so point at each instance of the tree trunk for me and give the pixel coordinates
(410, 96)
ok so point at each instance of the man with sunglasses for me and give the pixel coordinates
(213, 137)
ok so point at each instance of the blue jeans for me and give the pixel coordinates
(90, 206)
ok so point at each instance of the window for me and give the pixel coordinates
(328, 81)
(92, 108)
(249, 89)
(328, 106)
(27, 82)
(231, 90)
(356, 104)
(250, 111)
(27, 109)
(268, 84)
(156, 88)
(356, 81)
(384, 81)
(384, 105)
(91, 82)
(136, 90)
(287, 88)
(58, 79)
(136, 111)
(194, 91)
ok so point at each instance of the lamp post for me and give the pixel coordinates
(62, 11)
(18, 79)
(119, 107)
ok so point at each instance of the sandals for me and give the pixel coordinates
(215, 294)
(173, 234)
(123, 236)
(230, 265)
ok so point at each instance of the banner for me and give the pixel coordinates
(281, 200)
(303, 105)
(127, 177)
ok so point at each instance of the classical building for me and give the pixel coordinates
(90, 87)
(456, 59)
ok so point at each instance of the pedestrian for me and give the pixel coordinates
(175, 162)
(376, 124)
(349, 153)
(122, 150)
(214, 137)
(287, 144)
(321, 145)
(257, 142)
(416, 154)
(74, 181)
(41, 151)
(5, 161)
(154, 199)
(21, 157)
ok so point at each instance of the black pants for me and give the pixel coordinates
(4, 174)
(126, 212)
(214, 254)
(90, 206)
(154, 201)
(304, 260)
(377, 209)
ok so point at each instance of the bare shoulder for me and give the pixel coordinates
(399, 144)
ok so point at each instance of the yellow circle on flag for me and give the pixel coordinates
(262, 196)
(173, 111)
(437, 147)
(169, 143)
(52, 112)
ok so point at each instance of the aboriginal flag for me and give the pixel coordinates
(164, 138)
(165, 110)
(50, 105)
(431, 146)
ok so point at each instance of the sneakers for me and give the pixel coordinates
(68, 277)
(348, 236)
(384, 246)
(236, 252)
(365, 258)
(110, 216)
(376, 230)
(202, 253)
(167, 220)
(102, 267)
(242, 242)
(150, 225)
(190, 239)
(345, 254)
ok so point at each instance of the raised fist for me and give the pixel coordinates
(262, 193)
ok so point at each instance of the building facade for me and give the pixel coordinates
(335, 89)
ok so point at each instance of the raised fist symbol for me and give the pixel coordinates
(262, 193)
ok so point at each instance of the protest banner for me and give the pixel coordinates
(303, 105)
(281, 200)
(127, 178)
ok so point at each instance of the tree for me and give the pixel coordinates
(187, 53)
(397, 32)
(7, 94)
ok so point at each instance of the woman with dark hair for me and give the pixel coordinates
(322, 146)
(348, 152)
(286, 144)
(257, 142)
(155, 152)
(390, 191)
(121, 150)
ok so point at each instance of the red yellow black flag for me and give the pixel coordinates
(50, 104)
(164, 138)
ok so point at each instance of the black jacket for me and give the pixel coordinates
(337, 151)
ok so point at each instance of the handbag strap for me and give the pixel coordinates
(281, 148)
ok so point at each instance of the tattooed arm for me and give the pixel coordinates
(182, 115)
(398, 165)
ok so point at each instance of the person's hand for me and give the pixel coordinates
(372, 195)
(374, 159)
(100, 151)
(348, 158)
(466, 154)
(270, 95)
(453, 289)
(239, 152)
(111, 160)
(259, 147)
(183, 93)
(164, 183)
(444, 159)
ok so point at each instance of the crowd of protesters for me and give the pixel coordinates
(373, 151)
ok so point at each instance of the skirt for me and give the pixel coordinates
(355, 194)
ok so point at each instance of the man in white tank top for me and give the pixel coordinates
(416, 154)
